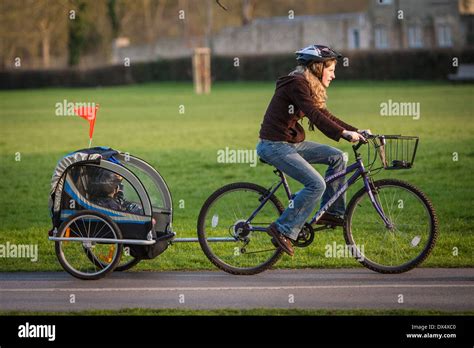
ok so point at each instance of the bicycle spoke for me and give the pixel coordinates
(260, 251)
(85, 259)
(233, 208)
(404, 241)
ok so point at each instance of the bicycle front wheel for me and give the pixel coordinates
(405, 244)
(228, 239)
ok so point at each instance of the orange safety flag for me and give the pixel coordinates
(89, 114)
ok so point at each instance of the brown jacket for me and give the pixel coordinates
(290, 103)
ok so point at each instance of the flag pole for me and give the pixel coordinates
(90, 117)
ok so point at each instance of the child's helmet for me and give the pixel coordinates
(102, 182)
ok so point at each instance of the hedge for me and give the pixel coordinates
(378, 65)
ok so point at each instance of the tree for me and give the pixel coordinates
(152, 18)
(77, 29)
(113, 17)
(49, 19)
(248, 7)
(31, 30)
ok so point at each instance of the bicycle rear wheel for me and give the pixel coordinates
(407, 243)
(127, 261)
(89, 260)
(241, 250)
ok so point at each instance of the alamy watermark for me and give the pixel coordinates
(394, 108)
(237, 156)
(68, 108)
(28, 330)
(338, 251)
(28, 251)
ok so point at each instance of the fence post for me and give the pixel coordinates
(202, 70)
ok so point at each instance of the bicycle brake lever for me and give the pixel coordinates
(359, 144)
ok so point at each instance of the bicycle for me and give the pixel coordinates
(390, 225)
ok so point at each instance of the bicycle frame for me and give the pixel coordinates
(357, 167)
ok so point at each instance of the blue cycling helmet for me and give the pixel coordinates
(316, 54)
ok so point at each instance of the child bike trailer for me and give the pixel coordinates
(109, 211)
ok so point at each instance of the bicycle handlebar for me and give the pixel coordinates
(367, 136)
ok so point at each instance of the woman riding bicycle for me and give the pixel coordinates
(303, 93)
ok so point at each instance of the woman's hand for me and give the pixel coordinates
(364, 132)
(353, 137)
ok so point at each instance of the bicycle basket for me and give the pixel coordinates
(397, 151)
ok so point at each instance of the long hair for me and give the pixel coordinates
(313, 74)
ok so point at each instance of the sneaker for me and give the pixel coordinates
(282, 241)
(330, 219)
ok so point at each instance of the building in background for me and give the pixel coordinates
(404, 24)
(85, 34)
(374, 24)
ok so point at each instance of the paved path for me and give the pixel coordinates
(423, 288)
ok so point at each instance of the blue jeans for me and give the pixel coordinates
(294, 160)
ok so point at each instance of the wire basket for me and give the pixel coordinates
(397, 151)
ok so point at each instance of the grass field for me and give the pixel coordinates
(145, 120)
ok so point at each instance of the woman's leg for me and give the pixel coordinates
(337, 161)
(285, 157)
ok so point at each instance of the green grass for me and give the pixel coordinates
(144, 120)
(244, 312)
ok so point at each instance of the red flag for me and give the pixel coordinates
(89, 114)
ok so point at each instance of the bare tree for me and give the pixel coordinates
(152, 18)
(119, 12)
(50, 20)
(29, 29)
(248, 7)
(45, 27)
(209, 23)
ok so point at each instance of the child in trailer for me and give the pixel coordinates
(106, 189)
